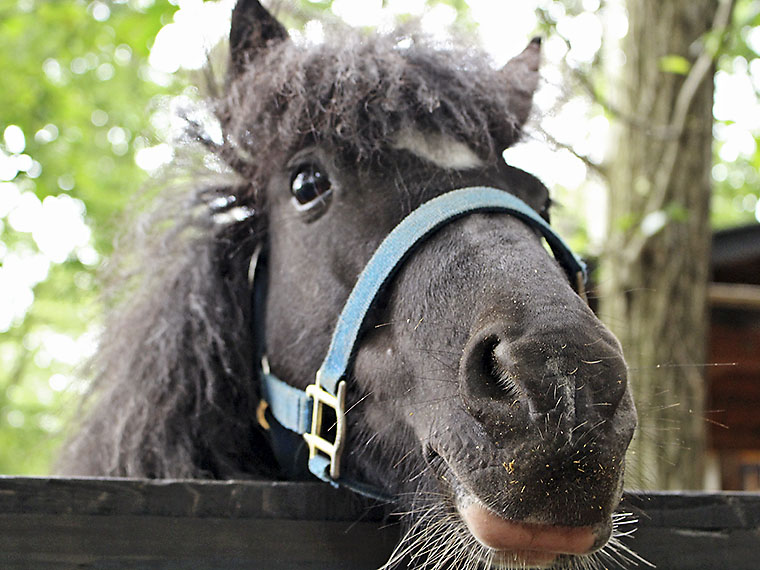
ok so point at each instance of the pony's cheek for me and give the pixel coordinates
(378, 369)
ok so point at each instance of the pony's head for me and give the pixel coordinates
(482, 393)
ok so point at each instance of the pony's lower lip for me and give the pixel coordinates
(538, 542)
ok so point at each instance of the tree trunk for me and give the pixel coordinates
(655, 269)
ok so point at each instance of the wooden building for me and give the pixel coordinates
(734, 371)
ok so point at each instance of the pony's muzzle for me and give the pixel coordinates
(562, 371)
(532, 545)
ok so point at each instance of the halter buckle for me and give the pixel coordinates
(314, 439)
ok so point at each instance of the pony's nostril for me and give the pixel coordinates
(503, 367)
(489, 369)
(499, 367)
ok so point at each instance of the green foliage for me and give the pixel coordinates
(675, 64)
(88, 79)
(736, 173)
(77, 84)
(736, 162)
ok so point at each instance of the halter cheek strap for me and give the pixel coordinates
(303, 411)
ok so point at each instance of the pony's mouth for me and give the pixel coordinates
(514, 543)
(528, 545)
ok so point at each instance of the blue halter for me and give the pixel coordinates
(302, 411)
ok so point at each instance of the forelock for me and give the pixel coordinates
(360, 93)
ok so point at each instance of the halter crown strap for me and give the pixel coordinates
(302, 411)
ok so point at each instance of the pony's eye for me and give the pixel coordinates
(309, 183)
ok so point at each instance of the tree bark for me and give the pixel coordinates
(656, 264)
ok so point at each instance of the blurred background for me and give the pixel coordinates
(646, 130)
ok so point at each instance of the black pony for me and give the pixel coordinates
(483, 395)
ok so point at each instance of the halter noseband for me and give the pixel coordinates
(301, 411)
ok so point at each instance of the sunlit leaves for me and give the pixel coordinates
(675, 63)
(73, 114)
(736, 169)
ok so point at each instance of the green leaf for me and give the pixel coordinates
(676, 64)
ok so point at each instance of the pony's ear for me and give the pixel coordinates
(252, 30)
(521, 76)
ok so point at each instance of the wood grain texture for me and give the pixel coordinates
(122, 523)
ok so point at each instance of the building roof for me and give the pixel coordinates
(736, 255)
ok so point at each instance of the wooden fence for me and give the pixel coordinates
(116, 524)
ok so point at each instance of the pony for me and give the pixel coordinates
(481, 395)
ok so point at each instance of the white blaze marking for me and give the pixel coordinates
(439, 149)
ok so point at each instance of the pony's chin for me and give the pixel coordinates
(525, 545)
(522, 559)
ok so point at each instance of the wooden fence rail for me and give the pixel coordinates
(116, 524)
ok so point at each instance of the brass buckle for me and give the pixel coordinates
(313, 438)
